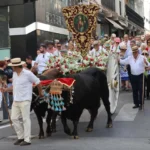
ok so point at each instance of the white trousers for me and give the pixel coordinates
(22, 109)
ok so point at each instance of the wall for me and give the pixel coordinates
(122, 11)
(139, 7)
(147, 14)
(51, 23)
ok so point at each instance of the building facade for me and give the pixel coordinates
(135, 17)
(4, 33)
(147, 16)
(31, 23)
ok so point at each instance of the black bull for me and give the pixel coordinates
(90, 86)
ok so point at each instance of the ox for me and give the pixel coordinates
(89, 88)
(40, 109)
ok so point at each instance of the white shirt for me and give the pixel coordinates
(33, 63)
(22, 85)
(137, 65)
(70, 53)
(95, 53)
(57, 53)
(116, 49)
(42, 60)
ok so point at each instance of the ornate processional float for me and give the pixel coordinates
(81, 21)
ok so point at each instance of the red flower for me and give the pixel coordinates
(91, 59)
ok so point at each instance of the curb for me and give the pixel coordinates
(4, 122)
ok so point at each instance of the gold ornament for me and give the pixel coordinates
(81, 20)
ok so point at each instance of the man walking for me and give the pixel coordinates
(137, 63)
(22, 92)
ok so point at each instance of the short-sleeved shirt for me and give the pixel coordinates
(42, 60)
(22, 85)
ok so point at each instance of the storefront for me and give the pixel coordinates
(32, 23)
(4, 34)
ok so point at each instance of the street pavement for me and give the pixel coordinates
(131, 131)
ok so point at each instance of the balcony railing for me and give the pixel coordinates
(109, 4)
(134, 17)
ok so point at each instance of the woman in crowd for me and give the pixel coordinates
(147, 78)
(143, 47)
(148, 46)
(123, 69)
(116, 45)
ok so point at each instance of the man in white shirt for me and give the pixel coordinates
(42, 59)
(22, 92)
(95, 51)
(57, 51)
(137, 63)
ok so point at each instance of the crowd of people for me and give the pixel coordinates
(133, 52)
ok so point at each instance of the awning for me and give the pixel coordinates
(115, 24)
(108, 12)
(122, 23)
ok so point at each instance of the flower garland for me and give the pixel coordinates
(75, 63)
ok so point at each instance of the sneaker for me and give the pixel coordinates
(134, 107)
(24, 143)
(18, 142)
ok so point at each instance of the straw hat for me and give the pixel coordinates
(123, 46)
(16, 62)
(6, 58)
(113, 35)
(107, 45)
(145, 52)
(135, 49)
(106, 35)
(95, 43)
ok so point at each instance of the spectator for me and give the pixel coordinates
(3, 83)
(42, 59)
(30, 63)
(9, 72)
(116, 45)
(123, 68)
(148, 46)
(147, 78)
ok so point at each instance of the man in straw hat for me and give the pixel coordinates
(22, 92)
(137, 63)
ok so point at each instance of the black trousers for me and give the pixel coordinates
(137, 87)
(145, 86)
(148, 86)
(129, 72)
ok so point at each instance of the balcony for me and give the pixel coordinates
(134, 17)
(109, 4)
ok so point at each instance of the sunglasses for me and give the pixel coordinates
(144, 54)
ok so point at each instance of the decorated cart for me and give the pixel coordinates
(81, 20)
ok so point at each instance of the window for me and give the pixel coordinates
(120, 6)
(4, 34)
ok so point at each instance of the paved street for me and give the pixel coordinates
(131, 130)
